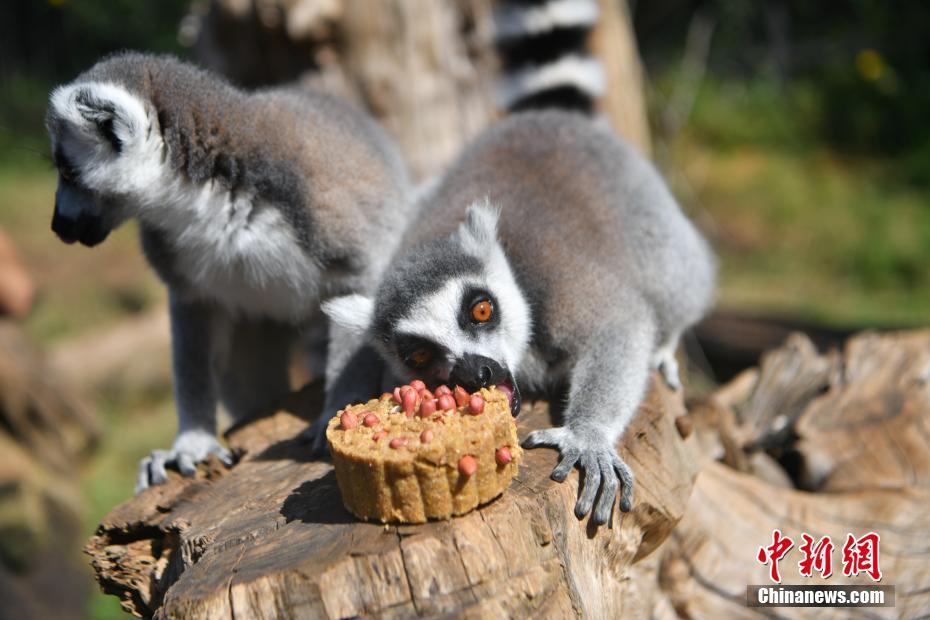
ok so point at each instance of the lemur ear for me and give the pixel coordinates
(105, 111)
(480, 227)
(353, 312)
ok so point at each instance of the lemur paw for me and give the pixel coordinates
(189, 449)
(601, 467)
(315, 435)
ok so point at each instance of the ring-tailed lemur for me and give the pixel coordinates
(574, 269)
(252, 207)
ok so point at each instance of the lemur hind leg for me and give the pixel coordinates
(607, 384)
(256, 372)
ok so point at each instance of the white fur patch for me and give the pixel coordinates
(352, 312)
(233, 250)
(585, 74)
(515, 21)
(479, 230)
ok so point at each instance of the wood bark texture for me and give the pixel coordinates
(827, 444)
(270, 537)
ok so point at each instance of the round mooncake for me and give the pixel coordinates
(414, 455)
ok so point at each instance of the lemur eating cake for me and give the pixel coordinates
(551, 257)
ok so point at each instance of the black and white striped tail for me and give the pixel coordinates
(543, 49)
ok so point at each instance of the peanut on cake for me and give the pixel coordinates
(415, 455)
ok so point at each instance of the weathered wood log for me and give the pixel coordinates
(270, 538)
(850, 425)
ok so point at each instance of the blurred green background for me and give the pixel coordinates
(796, 133)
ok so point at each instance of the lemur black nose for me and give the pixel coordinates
(476, 371)
(67, 228)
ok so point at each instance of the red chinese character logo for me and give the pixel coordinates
(775, 552)
(861, 556)
(817, 557)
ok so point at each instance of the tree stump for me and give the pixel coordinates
(824, 444)
(270, 537)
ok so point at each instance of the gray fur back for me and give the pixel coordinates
(586, 222)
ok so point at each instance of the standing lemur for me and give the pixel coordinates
(252, 207)
(574, 271)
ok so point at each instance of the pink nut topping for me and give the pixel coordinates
(446, 402)
(426, 436)
(443, 389)
(461, 396)
(398, 442)
(410, 402)
(476, 404)
(503, 455)
(348, 420)
(370, 420)
(378, 435)
(468, 465)
(427, 408)
(426, 395)
(397, 397)
(417, 385)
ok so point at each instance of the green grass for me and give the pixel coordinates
(801, 230)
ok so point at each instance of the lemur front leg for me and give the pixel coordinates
(354, 374)
(607, 385)
(193, 326)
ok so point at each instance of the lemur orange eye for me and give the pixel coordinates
(481, 311)
(421, 357)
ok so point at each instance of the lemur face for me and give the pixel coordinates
(450, 311)
(95, 131)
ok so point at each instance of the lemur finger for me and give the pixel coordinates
(224, 455)
(561, 471)
(548, 437)
(186, 465)
(592, 482)
(627, 480)
(157, 473)
(142, 477)
(605, 503)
